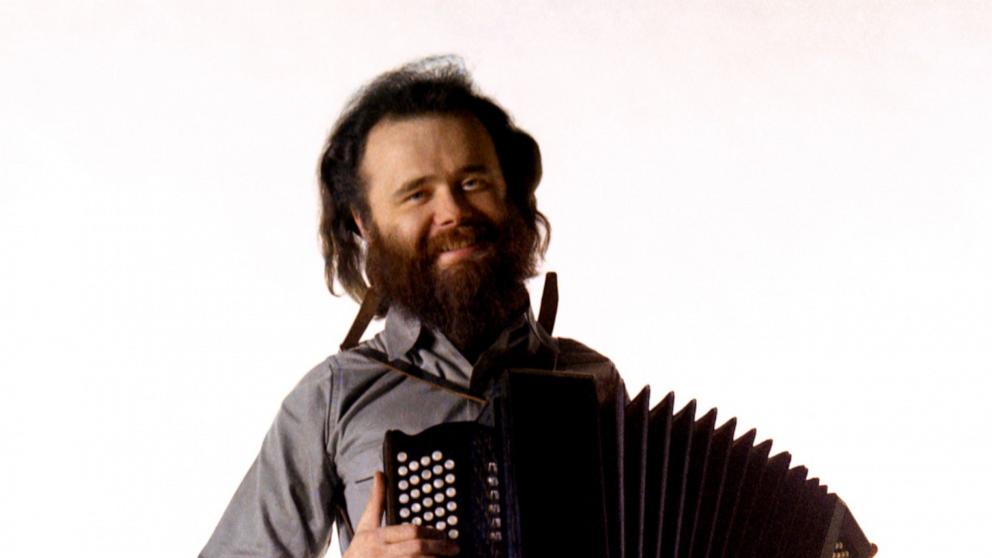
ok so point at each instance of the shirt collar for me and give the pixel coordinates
(403, 330)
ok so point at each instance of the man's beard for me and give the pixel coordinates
(473, 298)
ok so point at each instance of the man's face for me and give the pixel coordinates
(430, 179)
(443, 241)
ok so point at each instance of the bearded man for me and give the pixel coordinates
(428, 191)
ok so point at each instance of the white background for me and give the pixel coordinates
(779, 208)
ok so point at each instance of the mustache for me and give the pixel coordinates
(476, 232)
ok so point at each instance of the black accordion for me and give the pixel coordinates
(557, 465)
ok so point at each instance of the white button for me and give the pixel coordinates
(428, 501)
(449, 478)
(404, 513)
(415, 493)
(414, 465)
(437, 456)
(452, 520)
(439, 497)
(439, 511)
(451, 506)
(449, 464)
(404, 498)
(425, 461)
(415, 507)
(440, 526)
(438, 483)
(403, 485)
(437, 469)
(429, 516)
(426, 474)
(416, 521)
(401, 457)
(450, 492)
(427, 488)
(415, 480)
(453, 534)
(403, 470)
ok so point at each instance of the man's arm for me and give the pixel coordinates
(283, 507)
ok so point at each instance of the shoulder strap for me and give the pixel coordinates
(549, 302)
(413, 371)
(365, 314)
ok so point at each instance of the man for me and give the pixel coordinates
(428, 191)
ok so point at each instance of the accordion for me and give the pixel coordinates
(557, 465)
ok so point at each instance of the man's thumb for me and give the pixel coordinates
(372, 516)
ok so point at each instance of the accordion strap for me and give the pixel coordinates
(365, 314)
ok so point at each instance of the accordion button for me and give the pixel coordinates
(439, 511)
(439, 497)
(428, 502)
(452, 506)
(427, 488)
(425, 461)
(437, 456)
(453, 534)
(416, 521)
(404, 498)
(414, 465)
(438, 483)
(415, 493)
(437, 469)
(415, 507)
(403, 470)
(403, 485)
(452, 520)
(415, 480)
(449, 478)
(449, 464)
(450, 492)
(404, 513)
(440, 526)
(428, 516)
(426, 474)
(492, 481)
(401, 457)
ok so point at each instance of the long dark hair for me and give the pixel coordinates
(436, 85)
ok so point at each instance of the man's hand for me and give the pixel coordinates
(395, 541)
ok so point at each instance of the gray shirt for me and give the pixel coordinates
(316, 464)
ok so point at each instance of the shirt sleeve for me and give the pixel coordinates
(284, 505)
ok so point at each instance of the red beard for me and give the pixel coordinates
(472, 299)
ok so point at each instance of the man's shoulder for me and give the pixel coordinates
(576, 356)
(571, 351)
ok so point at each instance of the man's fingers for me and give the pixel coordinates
(400, 533)
(372, 516)
(423, 547)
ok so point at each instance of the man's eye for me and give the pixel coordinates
(473, 184)
(417, 196)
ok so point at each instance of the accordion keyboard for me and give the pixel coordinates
(427, 491)
(447, 478)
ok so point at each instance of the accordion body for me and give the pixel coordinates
(557, 465)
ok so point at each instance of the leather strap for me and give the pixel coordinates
(365, 314)
(549, 302)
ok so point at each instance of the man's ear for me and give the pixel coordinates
(358, 221)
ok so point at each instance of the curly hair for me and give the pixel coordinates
(436, 85)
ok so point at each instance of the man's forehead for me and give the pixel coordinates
(397, 148)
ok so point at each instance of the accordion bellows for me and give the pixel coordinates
(557, 465)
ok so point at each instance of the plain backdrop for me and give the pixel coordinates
(781, 209)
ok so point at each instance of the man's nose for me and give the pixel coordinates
(450, 207)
